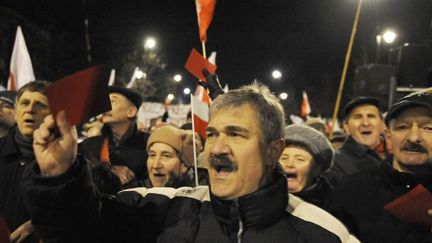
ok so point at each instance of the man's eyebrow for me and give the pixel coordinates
(231, 128)
(210, 129)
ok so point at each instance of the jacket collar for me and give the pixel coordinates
(358, 149)
(106, 131)
(406, 180)
(257, 210)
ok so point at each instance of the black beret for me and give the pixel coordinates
(422, 98)
(130, 94)
(361, 100)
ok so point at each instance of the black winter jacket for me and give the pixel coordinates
(350, 159)
(130, 151)
(359, 204)
(70, 210)
(12, 165)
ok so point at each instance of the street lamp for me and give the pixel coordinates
(276, 74)
(140, 74)
(186, 91)
(177, 78)
(389, 36)
(170, 97)
(150, 43)
(283, 96)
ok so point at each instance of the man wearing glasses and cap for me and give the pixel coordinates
(360, 201)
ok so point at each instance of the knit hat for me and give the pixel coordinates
(178, 139)
(314, 141)
(130, 94)
(8, 96)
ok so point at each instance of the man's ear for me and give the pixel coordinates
(345, 127)
(274, 151)
(132, 111)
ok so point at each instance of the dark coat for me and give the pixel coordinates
(359, 203)
(12, 166)
(350, 159)
(130, 151)
(70, 211)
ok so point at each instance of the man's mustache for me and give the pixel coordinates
(414, 147)
(219, 162)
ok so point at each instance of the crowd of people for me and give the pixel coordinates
(258, 179)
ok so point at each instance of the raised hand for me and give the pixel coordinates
(55, 153)
(123, 173)
(213, 84)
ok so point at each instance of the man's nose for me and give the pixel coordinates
(365, 121)
(221, 146)
(414, 134)
(31, 108)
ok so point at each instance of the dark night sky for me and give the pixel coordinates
(306, 40)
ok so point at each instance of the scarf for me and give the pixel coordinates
(25, 145)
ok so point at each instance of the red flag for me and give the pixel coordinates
(200, 119)
(205, 9)
(21, 69)
(305, 107)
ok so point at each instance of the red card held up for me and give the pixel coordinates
(4, 231)
(195, 64)
(82, 95)
(412, 207)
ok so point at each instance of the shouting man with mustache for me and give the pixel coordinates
(247, 200)
(360, 201)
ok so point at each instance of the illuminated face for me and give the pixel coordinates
(234, 152)
(7, 115)
(297, 163)
(31, 109)
(411, 138)
(121, 110)
(365, 125)
(163, 163)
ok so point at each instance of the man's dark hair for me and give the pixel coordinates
(35, 86)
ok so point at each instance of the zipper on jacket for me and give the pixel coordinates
(236, 222)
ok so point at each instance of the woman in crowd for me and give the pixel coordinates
(307, 155)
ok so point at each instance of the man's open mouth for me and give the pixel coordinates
(29, 120)
(291, 175)
(366, 132)
(158, 175)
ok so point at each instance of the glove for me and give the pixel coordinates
(212, 84)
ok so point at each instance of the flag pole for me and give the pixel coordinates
(204, 49)
(194, 142)
(345, 68)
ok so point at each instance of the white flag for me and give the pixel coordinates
(21, 69)
(111, 78)
(133, 78)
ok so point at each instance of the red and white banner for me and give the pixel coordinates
(200, 116)
(21, 69)
(305, 106)
(205, 9)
